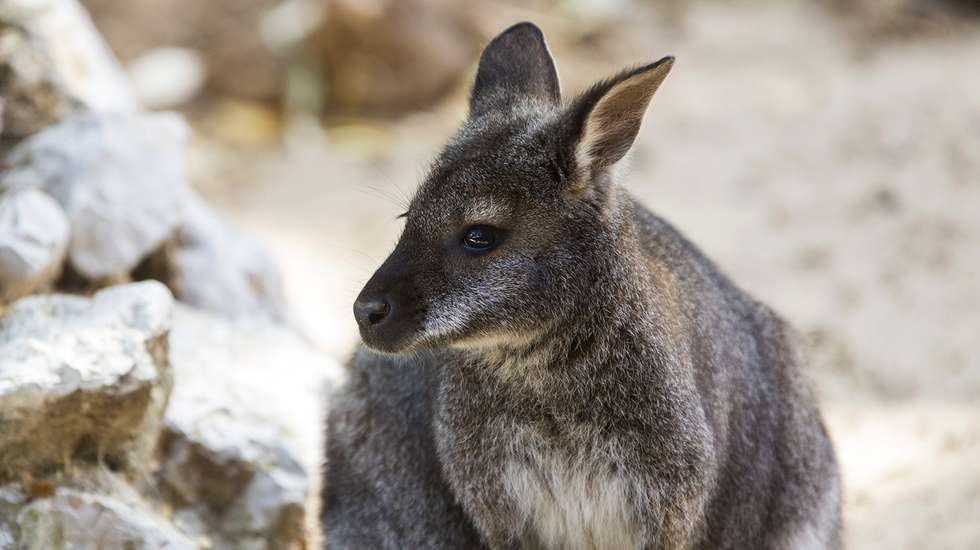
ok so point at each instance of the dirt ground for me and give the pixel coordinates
(837, 181)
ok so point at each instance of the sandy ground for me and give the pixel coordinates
(839, 183)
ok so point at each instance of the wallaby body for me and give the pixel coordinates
(580, 375)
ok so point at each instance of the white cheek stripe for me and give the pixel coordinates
(450, 313)
(448, 316)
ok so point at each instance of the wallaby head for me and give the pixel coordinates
(518, 214)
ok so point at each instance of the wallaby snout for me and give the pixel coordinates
(387, 309)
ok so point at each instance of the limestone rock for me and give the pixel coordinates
(219, 268)
(11, 501)
(54, 64)
(88, 520)
(243, 430)
(117, 176)
(35, 97)
(83, 379)
(33, 241)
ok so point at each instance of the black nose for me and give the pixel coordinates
(371, 311)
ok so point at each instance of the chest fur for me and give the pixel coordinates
(572, 504)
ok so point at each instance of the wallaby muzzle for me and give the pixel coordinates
(386, 310)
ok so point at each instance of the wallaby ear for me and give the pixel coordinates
(515, 65)
(600, 126)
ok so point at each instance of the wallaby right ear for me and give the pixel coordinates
(600, 125)
(515, 65)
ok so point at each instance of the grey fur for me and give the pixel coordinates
(592, 382)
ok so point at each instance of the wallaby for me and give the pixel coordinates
(548, 365)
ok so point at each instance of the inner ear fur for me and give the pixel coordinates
(600, 125)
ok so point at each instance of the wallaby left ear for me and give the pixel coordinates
(516, 65)
(600, 126)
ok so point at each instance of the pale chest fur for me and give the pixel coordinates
(573, 504)
(544, 479)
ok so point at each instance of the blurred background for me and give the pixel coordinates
(825, 153)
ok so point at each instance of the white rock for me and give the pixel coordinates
(94, 521)
(117, 176)
(165, 78)
(33, 242)
(82, 62)
(83, 376)
(221, 269)
(35, 98)
(54, 64)
(244, 426)
(12, 500)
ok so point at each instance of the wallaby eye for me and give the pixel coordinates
(479, 238)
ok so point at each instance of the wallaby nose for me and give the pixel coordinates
(371, 311)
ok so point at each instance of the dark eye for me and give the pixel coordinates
(479, 238)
